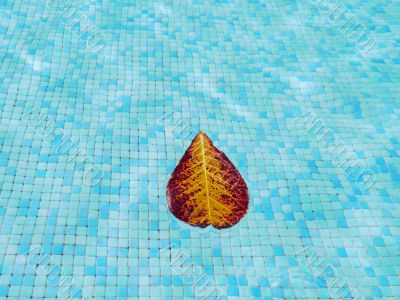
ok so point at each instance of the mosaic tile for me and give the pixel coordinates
(99, 100)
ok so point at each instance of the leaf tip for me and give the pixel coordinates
(200, 133)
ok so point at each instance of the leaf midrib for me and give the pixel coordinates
(205, 175)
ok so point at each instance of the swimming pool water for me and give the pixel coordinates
(100, 99)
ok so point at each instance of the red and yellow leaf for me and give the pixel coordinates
(205, 187)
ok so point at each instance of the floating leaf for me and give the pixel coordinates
(205, 187)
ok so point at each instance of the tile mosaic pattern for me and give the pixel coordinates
(89, 137)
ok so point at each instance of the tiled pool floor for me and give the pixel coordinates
(99, 100)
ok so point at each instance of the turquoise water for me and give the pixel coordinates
(100, 99)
